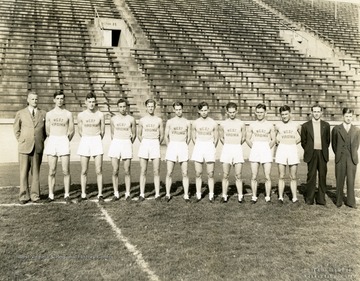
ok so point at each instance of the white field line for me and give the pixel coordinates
(10, 186)
(131, 248)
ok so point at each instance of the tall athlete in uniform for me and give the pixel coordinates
(205, 138)
(150, 134)
(232, 135)
(287, 137)
(260, 138)
(91, 126)
(60, 131)
(177, 137)
(123, 135)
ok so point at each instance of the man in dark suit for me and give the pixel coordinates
(29, 129)
(345, 144)
(315, 140)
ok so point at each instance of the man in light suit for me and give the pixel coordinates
(345, 144)
(315, 140)
(29, 129)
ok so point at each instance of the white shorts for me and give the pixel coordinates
(287, 154)
(177, 151)
(90, 146)
(232, 154)
(204, 151)
(149, 149)
(120, 149)
(260, 153)
(57, 146)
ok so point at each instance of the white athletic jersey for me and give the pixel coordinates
(178, 129)
(287, 133)
(150, 127)
(232, 131)
(122, 126)
(261, 131)
(58, 121)
(91, 122)
(204, 129)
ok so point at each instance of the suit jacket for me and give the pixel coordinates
(29, 133)
(338, 136)
(307, 139)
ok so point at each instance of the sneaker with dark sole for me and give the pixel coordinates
(223, 200)
(67, 200)
(187, 200)
(157, 198)
(128, 198)
(141, 199)
(114, 199)
(253, 202)
(168, 198)
(101, 199)
(49, 200)
(82, 199)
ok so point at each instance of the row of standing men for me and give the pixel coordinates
(33, 125)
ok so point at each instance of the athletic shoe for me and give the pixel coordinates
(212, 200)
(157, 198)
(223, 200)
(128, 198)
(67, 200)
(187, 200)
(36, 201)
(114, 199)
(81, 199)
(168, 198)
(23, 202)
(281, 201)
(240, 201)
(101, 199)
(141, 199)
(253, 201)
(49, 200)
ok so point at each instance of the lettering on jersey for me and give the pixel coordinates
(91, 123)
(261, 133)
(178, 130)
(122, 126)
(58, 122)
(151, 128)
(204, 131)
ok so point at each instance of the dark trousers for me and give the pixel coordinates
(30, 163)
(317, 165)
(345, 168)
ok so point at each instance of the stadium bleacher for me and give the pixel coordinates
(217, 51)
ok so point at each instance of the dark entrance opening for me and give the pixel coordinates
(115, 38)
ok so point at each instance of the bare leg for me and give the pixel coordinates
(98, 169)
(239, 181)
(267, 170)
(143, 170)
(254, 174)
(52, 161)
(281, 184)
(225, 180)
(65, 163)
(156, 169)
(84, 160)
(210, 172)
(170, 168)
(198, 181)
(185, 178)
(293, 182)
(127, 176)
(115, 175)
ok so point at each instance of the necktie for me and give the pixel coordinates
(33, 112)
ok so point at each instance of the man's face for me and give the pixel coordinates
(178, 110)
(32, 100)
(122, 108)
(348, 118)
(150, 108)
(204, 112)
(90, 103)
(231, 112)
(260, 114)
(285, 116)
(59, 100)
(317, 113)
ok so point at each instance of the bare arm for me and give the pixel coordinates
(140, 129)
(193, 132)
(243, 133)
(188, 136)
(216, 134)
(47, 124)
(272, 137)
(249, 136)
(221, 133)
(112, 128)
(71, 129)
(80, 123)
(133, 130)
(167, 131)
(161, 129)
(102, 125)
(298, 137)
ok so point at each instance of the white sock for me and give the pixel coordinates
(66, 195)
(127, 195)
(83, 195)
(99, 195)
(51, 196)
(116, 194)
(211, 195)
(142, 195)
(198, 195)
(267, 198)
(240, 197)
(254, 198)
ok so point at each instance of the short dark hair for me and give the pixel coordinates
(347, 110)
(150, 101)
(231, 105)
(121, 100)
(90, 96)
(59, 93)
(202, 104)
(261, 106)
(284, 108)
(178, 103)
(316, 105)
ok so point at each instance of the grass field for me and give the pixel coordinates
(174, 241)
